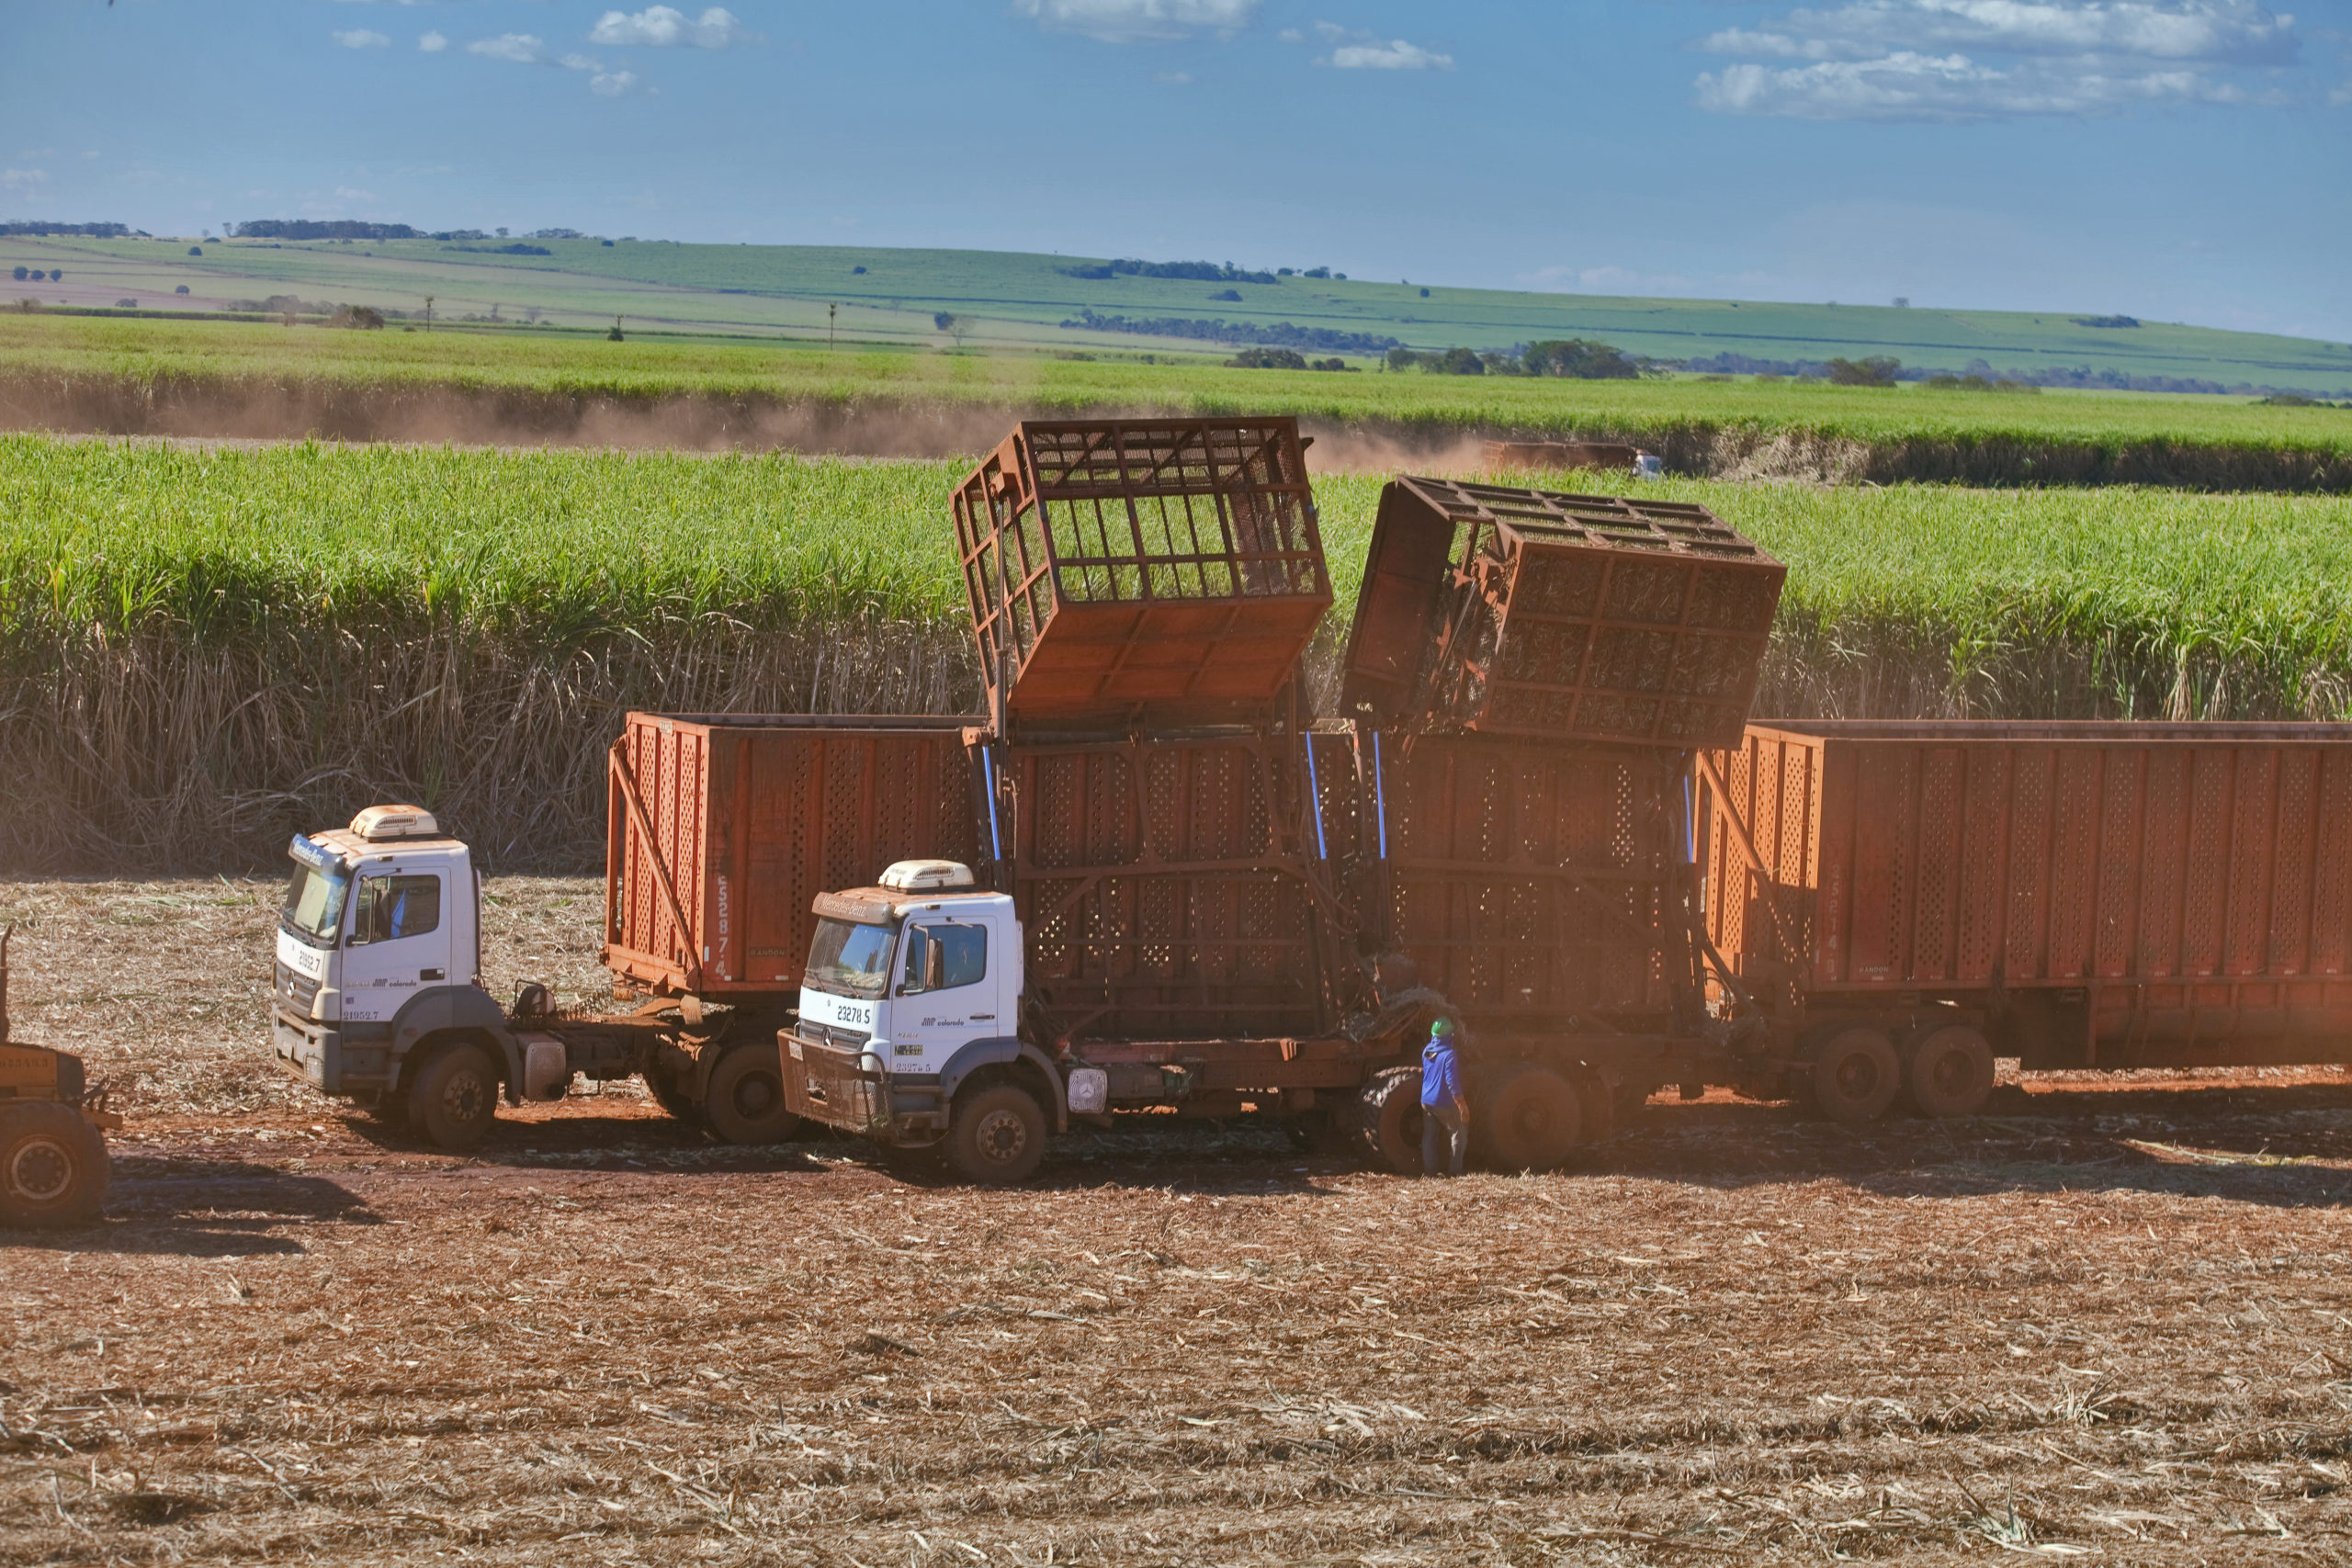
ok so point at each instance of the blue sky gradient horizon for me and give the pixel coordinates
(2177, 160)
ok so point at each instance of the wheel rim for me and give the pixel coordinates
(1953, 1073)
(41, 1170)
(1001, 1137)
(464, 1098)
(755, 1097)
(1858, 1077)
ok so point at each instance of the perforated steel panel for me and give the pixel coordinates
(1563, 616)
(751, 819)
(1526, 881)
(1162, 886)
(1164, 567)
(2189, 881)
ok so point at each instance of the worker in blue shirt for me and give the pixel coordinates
(1445, 1109)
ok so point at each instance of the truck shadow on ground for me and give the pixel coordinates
(2287, 1147)
(206, 1208)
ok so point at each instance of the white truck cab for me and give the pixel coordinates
(379, 951)
(911, 994)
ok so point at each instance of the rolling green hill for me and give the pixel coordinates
(1019, 301)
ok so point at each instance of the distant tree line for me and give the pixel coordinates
(1320, 339)
(1197, 271)
(87, 231)
(1580, 358)
(1282, 359)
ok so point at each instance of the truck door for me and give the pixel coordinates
(400, 939)
(945, 994)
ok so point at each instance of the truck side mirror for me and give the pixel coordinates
(934, 964)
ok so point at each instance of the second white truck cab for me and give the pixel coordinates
(913, 996)
(379, 954)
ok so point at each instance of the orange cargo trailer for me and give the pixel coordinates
(1918, 898)
(724, 829)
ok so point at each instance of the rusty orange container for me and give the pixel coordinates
(1141, 570)
(1560, 617)
(2156, 894)
(724, 827)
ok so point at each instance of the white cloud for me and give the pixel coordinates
(22, 179)
(1972, 60)
(1291, 35)
(2342, 96)
(1174, 78)
(2214, 31)
(520, 48)
(1369, 51)
(360, 37)
(1134, 21)
(433, 43)
(612, 85)
(346, 193)
(666, 27)
(580, 62)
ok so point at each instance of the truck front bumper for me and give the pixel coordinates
(828, 1084)
(325, 1057)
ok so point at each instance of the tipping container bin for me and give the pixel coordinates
(2119, 893)
(723, 830)
(1160, 570)
(1562, 617)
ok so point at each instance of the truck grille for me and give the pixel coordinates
(850, 1039)
(298, 991)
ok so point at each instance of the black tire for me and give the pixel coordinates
(1948, 1071)
(53, 1167)
(1533, 1120)
(454, 1100)
(1387, 1120)
(1855, 1077)
(998, 1135)
(670, 1098)
(747, 1105)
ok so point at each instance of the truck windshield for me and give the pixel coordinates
(313, 907)
(849, 959)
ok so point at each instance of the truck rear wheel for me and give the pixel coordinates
(52, 1166)
(455, 1099)
(746, 1104)
(998, 1134)
(1949, 1072)
(1533, 1120)
(1387, 1120)
(1855, 1077)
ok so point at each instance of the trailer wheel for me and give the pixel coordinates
(998, 1135)
(455, 1099)
(1387, 1120)
(52, 1166)
(747, 1104)
(1949, 1072)
(1855, 1077)
(1533, 1120)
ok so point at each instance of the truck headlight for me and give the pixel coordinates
(327, 1006)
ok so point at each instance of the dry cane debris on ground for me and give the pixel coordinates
(2102, 1322)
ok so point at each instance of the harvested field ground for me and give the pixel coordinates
(2110, 1320)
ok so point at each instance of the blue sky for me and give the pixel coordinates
(2180, 159)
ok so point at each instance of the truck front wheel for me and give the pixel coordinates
(1387, 1120)
(998, 1134)
(52, 1166)
(455, 1099)
(746, 1104)
(1855, 1077)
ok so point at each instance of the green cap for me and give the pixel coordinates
(1441, 1028)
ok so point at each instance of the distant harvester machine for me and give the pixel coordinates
(53, 1165)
